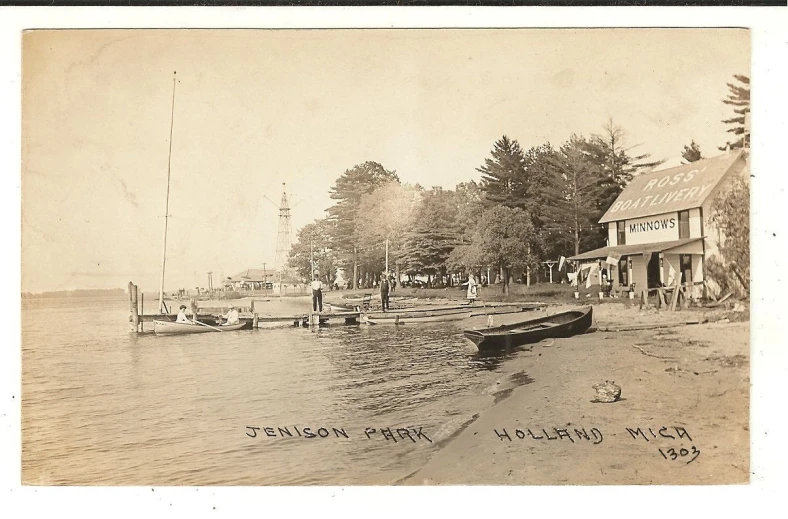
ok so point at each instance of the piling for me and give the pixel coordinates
(142, 311)
(193, 306)
(255, 319)
(135, 315)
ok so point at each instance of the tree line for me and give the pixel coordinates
(529, 206)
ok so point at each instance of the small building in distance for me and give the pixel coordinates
(660, 226)
(252, 279)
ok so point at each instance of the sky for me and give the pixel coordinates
(258, 108)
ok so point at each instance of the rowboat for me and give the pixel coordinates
(564, 324)
(175, 328)
(415, 317)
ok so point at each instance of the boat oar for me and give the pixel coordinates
(208, 325)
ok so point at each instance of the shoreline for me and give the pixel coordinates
(682, 388)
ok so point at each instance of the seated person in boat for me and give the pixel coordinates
(231, 317)
(182, 315)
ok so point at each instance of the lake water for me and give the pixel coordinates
(102, 406)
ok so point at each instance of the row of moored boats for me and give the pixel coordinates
(562, 324)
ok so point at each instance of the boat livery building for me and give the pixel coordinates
(660, 228)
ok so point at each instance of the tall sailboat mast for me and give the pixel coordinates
(162, 307)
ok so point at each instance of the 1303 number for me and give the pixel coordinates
(682, 453)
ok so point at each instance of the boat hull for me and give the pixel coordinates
(414, 319)
(175, 328)
(564, 324)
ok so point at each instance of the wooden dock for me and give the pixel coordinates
(254, 321)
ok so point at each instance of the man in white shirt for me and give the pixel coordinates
(317, 295)
(232, 316)
(182, 315)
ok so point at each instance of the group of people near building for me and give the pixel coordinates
(388, 284)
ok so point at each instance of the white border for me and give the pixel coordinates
(770, 55)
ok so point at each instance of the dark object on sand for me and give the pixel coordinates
(607, 392)
(564, 324)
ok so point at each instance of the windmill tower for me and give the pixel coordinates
(284, 237)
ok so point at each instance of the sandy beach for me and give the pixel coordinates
(683, 388)
(683, 416)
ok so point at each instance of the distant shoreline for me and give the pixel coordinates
(75, 293)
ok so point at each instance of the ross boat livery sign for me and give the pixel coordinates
(675, 189)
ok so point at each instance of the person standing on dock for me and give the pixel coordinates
(182, 315)
(317, 295)
(384, 291)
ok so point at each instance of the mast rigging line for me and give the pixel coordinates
(162, 306)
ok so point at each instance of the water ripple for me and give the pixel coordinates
(102, 406)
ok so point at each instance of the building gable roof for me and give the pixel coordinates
(670, 190)
(253, 275)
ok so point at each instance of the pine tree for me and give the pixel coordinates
(503, 174)
(585, 185)
(609, 150)
(434, 235)
(739, 98)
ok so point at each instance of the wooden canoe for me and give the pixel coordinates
(564, 324)
(175, 328)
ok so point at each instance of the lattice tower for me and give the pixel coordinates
(284, 237)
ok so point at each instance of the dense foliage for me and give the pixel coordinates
(529, 207)
(731, 215)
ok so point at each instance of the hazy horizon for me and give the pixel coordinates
(256, 108)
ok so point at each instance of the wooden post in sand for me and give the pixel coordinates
(676, 290)
(643, 299)
(135, 315)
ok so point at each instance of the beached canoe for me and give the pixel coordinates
(564, 324)
(175, 328)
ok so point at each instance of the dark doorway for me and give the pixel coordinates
(652, 271)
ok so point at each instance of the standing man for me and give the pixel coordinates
(384, 291)
(317, 295)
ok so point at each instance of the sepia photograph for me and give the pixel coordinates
(385, 257)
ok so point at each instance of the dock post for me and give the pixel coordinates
(135, 316)
(255, 321)
(193, 307)
(142, 311)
